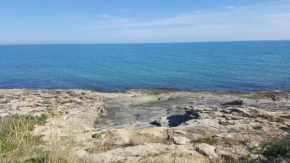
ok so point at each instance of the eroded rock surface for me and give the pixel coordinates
(155, 125)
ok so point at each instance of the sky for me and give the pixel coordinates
(147, 21)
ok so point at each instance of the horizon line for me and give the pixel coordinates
(142, 42)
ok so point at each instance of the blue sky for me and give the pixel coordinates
(147, 21)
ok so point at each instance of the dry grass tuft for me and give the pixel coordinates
(18, 144)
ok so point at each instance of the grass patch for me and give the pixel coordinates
(97, 136)
(36, 160)
(19, 145)
(3, 91)
(16, 137)
(66, 102)
(258, 95)
(278, 147)
(257, 127)
(132, 144)
(150, 101)
(269, 117)
(278, 120)
(210, 141)
(263, 143)
(264, 116)
(227, 124)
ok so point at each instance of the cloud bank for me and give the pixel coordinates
(268, 21)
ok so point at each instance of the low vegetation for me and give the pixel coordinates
(227, 124)
(19, 145)
(97, 136)
(257, 127)
(66, 102)
(16, 137)
(269, 117)
(3, 91)
(278, 147)
(150, 101)
(264, 116)
(278, 120)
(260, 95)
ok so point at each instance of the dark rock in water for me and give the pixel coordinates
(234, 103)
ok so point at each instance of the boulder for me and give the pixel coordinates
(199, 111)
(162, 122)
(241, 111)
(207, 150)
(179, 140)
(234, 103)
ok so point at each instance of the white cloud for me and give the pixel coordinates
(107, 16)
(230, 7)
(268, 21)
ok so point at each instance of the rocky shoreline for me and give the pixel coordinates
(157, 125)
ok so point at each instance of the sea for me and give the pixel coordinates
(207, 66)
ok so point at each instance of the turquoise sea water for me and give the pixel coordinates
(235, 66)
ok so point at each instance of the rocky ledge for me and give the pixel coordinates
(158, 125)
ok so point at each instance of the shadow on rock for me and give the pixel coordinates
(170, 121)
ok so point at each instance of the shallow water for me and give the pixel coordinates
(235, 66)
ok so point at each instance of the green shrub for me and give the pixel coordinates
(96, 136)
(279, 147)
(209, 140)
(263, 143)
(168, 149)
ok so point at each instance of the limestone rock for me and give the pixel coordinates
(199, 111)
(234, 103)
(163, 122)
(179, 140)
(150, 153)
(207, 150)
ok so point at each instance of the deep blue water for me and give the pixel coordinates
(235, 66)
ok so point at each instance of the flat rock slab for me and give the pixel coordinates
(138, 109)
(179, 140)
(207, 150)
